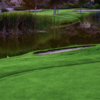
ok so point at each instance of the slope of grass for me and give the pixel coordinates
(65, 15)
(70, 75)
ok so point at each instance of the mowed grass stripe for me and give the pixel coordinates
(29, 70)
(44, 62)
(71, 83)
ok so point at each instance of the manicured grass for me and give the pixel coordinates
(70, 75)
(65, 15)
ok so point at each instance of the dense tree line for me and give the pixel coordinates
(82, 2)
(97, 1)
(34, 4)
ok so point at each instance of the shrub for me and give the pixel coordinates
(19, 8)
(76, 5)
(70, 5)
(88, 6)
(91, 7)
(4, 10)
(96, 6)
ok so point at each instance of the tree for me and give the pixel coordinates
(97, 1)
(82, 2)
(55, 4)
(2, 4)
(30, 4)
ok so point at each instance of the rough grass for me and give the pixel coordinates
(68, 75)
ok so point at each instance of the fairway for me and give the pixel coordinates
(68, 75)
(65, 15)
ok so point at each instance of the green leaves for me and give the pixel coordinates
(81, 2)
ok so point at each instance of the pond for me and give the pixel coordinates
(81, 33)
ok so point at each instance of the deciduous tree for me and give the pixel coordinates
(97, 1)
(55, 4)
(30, 4)
(82, 2)
(2, 4)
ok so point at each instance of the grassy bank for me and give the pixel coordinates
(65, 15)
(37, 77)
(22, 32)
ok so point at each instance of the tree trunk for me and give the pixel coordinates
(29, 11)
(35, 9)
(54, 10)
(0, 10)
(58, 11)
(80, 9)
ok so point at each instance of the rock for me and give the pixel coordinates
(76, 24)
(86, 25)
(94, 28)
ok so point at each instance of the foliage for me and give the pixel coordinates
(97, 6)
(88, 5)
(29, 4)
(55, 4)
(97, 1)
(70, 5)
(4, 10)
(19, 8)
(76, 5)
(82, 2)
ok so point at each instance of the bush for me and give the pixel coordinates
(76, 5)
(70, 5)
(97, 1)
(19, 8)
(91, 7)
(4, 10)
(88, 6)
(96, 6)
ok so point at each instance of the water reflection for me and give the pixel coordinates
(93, 19)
